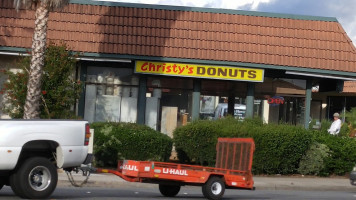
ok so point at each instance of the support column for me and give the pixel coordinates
(308, 94)
(265, 111)
(196, 99)
(231, 103)
(250, 99)
(83, 74)
(141, 101)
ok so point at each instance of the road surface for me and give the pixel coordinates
(186, 193)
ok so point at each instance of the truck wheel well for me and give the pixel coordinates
(42, 148)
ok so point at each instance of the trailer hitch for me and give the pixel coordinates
(86, 171)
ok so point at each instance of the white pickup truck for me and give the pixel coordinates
(32, 150)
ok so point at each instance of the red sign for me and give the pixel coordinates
(276, 100)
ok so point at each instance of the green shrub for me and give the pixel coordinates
(197, 141)
(344, 130)
(312, 123)
(313, 161)
(279, 148)
(342, 153)
(325, 125)
(351, 117)
(119, 141)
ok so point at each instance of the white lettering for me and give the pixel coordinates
(130, 168)
(175, 171)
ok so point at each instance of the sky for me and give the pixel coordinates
(343, 10)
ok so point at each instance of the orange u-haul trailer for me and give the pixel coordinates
(232, 171)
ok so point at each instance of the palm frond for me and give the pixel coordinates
(22, 3)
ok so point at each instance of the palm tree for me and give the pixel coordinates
(43, 7)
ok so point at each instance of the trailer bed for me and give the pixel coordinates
(232, 170)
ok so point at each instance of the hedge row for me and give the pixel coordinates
(342, 153)
(119, 141)
(280, 149)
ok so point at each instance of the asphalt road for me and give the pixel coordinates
(186, 193)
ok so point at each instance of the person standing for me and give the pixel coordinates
(336, 125)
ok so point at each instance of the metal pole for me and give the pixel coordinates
(308, 99)
(196, 99)
(250, 99)
(141, 101)
(344, 111)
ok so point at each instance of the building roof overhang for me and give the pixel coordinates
(126, 31)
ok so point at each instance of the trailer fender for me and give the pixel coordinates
(216, 175)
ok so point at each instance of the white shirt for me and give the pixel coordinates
(335, 127)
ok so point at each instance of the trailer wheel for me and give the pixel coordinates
(35, 179)
(214, 188)
(169, 190)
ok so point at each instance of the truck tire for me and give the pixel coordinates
(36, 178)
(214, 188)
(14, 183)
(169, 190)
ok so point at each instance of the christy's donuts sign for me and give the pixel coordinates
(200, 71)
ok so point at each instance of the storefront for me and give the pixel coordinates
(168, 95)
(162, 95)
(165, 66)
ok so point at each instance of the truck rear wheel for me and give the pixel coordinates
(35, 179)
(169, 190)
(214, 188)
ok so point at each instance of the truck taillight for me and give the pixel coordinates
(87, 134)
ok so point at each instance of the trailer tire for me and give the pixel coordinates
(169, 190)
(36, 178)
(214, 188)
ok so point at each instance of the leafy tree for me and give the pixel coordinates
(59, 90)
(43, 7)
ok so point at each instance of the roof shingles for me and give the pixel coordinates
(267, 40)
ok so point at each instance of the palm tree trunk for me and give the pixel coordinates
(33, 96)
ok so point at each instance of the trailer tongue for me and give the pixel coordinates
(232, 171)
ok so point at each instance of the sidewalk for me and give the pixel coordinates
(261, 182)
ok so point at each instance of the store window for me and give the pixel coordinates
(340, 104)
(110, 94)
(280, 100)
(168, 103)
(214, 100)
